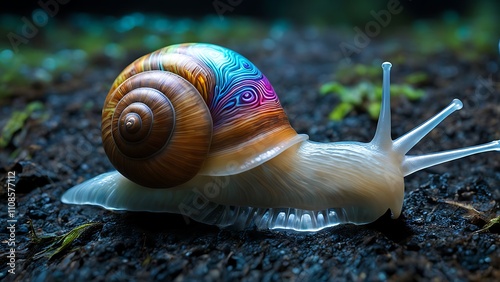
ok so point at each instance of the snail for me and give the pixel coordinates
(197, 129)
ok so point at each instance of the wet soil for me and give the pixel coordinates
(432, 239)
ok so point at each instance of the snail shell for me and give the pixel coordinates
(204, 122)
(192, 109)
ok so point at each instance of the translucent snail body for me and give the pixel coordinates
(197, 129)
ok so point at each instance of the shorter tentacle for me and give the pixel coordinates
(412, 164)
(404, 143)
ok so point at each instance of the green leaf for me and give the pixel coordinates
(61, 242)
(366, 96)
(17, 121)
(493, 222)
(340, 111)
(331, 87)
(374, 110)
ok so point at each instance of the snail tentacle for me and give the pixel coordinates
(412, 164)
(382, 137)
(403, 144)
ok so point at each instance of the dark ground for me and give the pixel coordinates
(431, 240)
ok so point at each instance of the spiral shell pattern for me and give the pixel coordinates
(243, 108)
(156, 129)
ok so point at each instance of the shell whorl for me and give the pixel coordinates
(247, 124)
(156, 129)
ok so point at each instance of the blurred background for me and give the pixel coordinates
(314, 12)
(52, 41)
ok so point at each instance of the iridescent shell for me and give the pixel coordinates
(245, 124)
